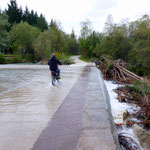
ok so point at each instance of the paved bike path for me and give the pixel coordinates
(82, 122)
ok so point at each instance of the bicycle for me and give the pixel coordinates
(54, 76)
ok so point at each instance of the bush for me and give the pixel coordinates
(13, 59)
(139, 87)
(60, 56)
(84, 59)
(2, 59)
(65, 59)
(29, 58)
(133, 89)
(17, 59)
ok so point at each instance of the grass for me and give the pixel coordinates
(64, 59)
(10, 58)
(84, 59)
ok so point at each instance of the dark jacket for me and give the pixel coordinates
(53, 63)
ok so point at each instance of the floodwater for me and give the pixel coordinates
(13, 78)
(28, 101)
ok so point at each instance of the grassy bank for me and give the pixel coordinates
(64, 58)
(84, 59)
(9, 59)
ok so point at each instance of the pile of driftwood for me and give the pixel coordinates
(142, 101)
(116, 71)
(124, 95)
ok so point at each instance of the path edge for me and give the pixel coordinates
(108, 106)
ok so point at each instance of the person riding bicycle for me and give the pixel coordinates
(53, 64)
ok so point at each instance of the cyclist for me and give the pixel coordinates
(53, 64)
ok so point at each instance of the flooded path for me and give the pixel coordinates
(70, 116)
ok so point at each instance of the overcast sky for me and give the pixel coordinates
(71, 12)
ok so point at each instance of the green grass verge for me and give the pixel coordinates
(64, 59)
(84, 59)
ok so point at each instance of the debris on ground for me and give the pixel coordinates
(133, 106)
(116, 71)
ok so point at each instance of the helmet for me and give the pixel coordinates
(53, 54)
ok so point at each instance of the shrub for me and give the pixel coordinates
(65, 59)
(17, 59)
(2, 59)
(139, 87)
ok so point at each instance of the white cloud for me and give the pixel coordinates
(71, 12)
(132, 9)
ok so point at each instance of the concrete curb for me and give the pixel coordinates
(107, 100)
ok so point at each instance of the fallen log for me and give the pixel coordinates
(128, 73)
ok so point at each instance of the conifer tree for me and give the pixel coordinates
(42, 23)
(14, 13)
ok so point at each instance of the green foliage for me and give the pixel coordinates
(25, 39)
(55, 25)
(23, 36)
(143, 87)
(109, 25)
(65, 59)
(42, 23)
(55, 40)
(139, 56)
(4, 40)
(72, 44)
(88, 46)
(16, 59)
(108, 67)
(127, 41)
(139, 87)
(133, 89)
(84, 59)
(16, 15)
(119, 46)
(48, 42)
(115, 44)
(87, 39)
(43, 45)
(6, 59)
(2, 59)
(136, 69)
(106, 56)
(86, 28)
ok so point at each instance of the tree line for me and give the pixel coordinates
(129, 41)
(29, 36)
(16, 15)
